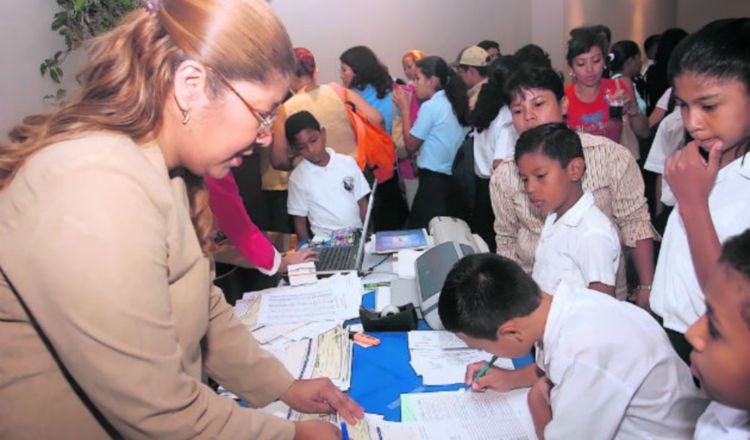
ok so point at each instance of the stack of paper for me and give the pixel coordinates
(441, 358)
(302, 311)
(326, 355)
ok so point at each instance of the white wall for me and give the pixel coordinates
(391, 27)
(693, 14)
(25, 41)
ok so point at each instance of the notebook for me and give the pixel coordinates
(388, 242)
(346, 255)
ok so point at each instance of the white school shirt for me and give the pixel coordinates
(721, 422)
(676, 295)
(580, 248)
(614, 372)
(668, 138)
(327, 195)
(498, 141)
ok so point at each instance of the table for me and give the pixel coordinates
(381, 374)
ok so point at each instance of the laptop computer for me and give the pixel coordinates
(347, 257)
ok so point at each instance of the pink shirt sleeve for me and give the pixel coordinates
(233, 220)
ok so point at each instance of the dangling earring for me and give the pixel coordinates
(185, 117)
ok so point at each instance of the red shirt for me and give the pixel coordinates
(593, 117)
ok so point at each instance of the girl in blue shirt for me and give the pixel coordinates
(437, 134)
(362, 72)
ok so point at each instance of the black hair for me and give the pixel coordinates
(298, 122)
(489, 44)
(529, 76)
(582, 40)
(554, 140)
(621, 52)
(650, 42)
(600, 29)
(482, 70)
(367, 69)
(484, 291)
(720, 50)
(533, 54)
(657, 81)
(450, 82)
(735, 254)
(492, 97)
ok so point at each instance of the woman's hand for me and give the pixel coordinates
(320, 396)
(690, 177)
(315, 430)
(297, 257)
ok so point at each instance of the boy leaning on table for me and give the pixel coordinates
(605, 367)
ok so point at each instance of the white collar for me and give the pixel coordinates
(576, 212)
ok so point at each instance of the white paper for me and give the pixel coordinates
(404, 264)
(470, 416)
(434, 339)
(334, 299)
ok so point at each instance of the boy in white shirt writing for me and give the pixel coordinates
(606, 368)
(578, 244)
(721, 345)
(327, 189)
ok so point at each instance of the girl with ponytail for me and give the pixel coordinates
(109, 316)
(436, 135)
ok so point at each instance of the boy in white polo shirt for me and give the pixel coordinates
(327, 189)
(606, 368)
(721, 345)
(578, 244)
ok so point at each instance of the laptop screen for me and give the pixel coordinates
(366, 227)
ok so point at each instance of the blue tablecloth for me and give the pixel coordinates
(381, 374)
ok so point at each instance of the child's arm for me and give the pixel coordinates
(692, 179)
(604, 288)
(403, 102)
(300, 227)
(362, 208)
(499, 379)
(280, 158)
(539, 405)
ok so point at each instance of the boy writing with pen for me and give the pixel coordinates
(605, 368)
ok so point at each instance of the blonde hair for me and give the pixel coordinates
(414, 54)
(130, 75)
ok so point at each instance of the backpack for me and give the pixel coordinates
(375, 149)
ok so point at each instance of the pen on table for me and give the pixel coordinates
(344, 431)
(482, 371)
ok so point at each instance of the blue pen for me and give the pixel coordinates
(344, 432)
(483, 371)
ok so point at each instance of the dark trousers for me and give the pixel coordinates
(389, 210)
(483, 218)
(436, 196)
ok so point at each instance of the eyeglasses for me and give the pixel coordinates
(266, 120)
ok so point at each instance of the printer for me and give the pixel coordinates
(452, 240)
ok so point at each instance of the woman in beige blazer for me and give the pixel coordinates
(108, 315)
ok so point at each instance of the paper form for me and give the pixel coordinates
(334, 299)
(434, 339)
(462, 415)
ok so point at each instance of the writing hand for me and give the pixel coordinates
(494, 379)
(322, 397)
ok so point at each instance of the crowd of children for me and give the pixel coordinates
(570, 213)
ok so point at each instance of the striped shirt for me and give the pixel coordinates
(612, 176)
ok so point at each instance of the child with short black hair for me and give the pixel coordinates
(609, 370)
(578, 244)
(721, 344)
(327, 189)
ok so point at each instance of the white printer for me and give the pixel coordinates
(453, 240)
